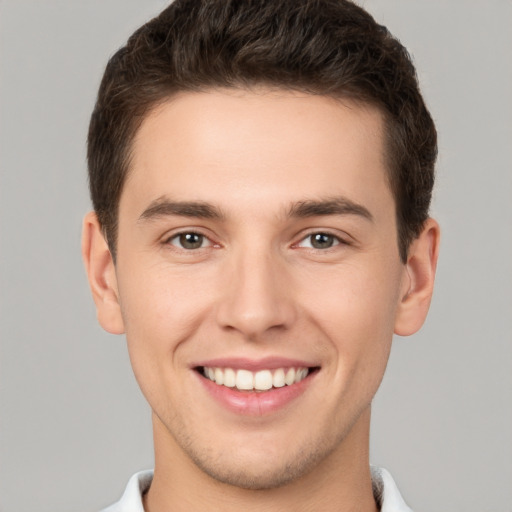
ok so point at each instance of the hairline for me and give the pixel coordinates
(344, 97)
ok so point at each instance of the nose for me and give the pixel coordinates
(257, 296)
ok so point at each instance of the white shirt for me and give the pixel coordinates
(385, 491)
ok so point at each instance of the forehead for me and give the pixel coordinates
(259, 145)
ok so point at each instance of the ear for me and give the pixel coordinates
(418, 282)
(102, 275)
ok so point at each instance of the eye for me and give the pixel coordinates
(320, 241)
(189, 241)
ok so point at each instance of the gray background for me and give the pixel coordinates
(73, 424)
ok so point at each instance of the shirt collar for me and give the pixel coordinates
(385, 491)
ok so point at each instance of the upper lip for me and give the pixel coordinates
(243, 363)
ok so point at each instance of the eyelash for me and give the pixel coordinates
(335, 239)
(180, 238)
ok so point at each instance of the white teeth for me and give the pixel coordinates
(289, 378)
(219, 376)
(261, 380)
(229, 378)
(278, 378)
(300, 374)
(244, 379)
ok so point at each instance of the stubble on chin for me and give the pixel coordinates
(264, 473)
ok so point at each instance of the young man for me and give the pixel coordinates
(261, 175)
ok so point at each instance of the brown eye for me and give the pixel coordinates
(188, 241)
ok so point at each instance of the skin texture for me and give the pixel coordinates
(256, 287)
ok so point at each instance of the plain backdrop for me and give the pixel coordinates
(73, 424)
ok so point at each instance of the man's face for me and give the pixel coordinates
(257, 246)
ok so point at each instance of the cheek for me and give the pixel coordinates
(354, 297)
(356, 311)
(162, 302)
(161, 309)
(359, 327)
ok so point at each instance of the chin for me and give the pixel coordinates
(260, 471)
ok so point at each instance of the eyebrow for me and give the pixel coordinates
(163, 207)
(330, 206)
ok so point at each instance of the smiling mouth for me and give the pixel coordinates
(261, 380)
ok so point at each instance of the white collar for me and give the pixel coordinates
(385, 491)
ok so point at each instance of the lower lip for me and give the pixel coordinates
(256, 403)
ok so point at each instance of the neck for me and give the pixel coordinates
(340, 482)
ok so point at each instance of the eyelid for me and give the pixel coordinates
(339, 239)
(168, 237)
(176, 238)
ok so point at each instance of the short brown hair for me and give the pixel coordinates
(327, 47)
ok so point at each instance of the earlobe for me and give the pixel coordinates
(100, 269)
(418, 283)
